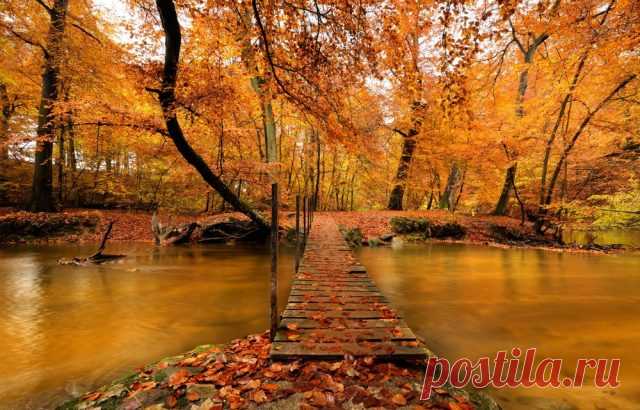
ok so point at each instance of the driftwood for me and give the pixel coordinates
(171, 235)
(97, 258)
(233, 230)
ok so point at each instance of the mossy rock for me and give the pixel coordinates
(404, 225)
(353, 236)
(448, 230)
(427, 228)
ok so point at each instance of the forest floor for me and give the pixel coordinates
(240, 375)
(86, 226)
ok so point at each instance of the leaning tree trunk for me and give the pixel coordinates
(167, 97)
(42, 188)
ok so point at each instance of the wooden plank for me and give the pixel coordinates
(333, 306)
(347, 314)
(336, 278)
(342, 287)
(334, 293)
(334, 283)
(334, 299)
(342, 323)
(398, 350)
(335, 309)
(346, 335)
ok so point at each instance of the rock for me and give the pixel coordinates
(429, 229)
(144, 399)
(406, 225)
(387, 237)
(353, 236)
(201, 391)
(374, 242)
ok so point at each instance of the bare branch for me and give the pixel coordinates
(86, 32)
(515, 37)
(46, 7)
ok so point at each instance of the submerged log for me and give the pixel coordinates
(233, 230)
(97, 258)
(171, 235)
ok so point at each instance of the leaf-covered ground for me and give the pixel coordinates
(241, 375)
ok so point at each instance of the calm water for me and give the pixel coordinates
(471, 301)
(66, 329)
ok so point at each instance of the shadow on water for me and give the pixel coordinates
(66, 329)
(471, 301)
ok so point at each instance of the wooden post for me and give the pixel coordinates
(304, 219)
(275, 199)
(297, 233)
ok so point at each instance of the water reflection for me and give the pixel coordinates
(471, 301)
(67, 329)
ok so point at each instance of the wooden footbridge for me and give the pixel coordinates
(335, 309)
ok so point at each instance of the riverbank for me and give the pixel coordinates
(86, 226)
(375, 228)
(241, 375)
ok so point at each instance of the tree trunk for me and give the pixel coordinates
(61, 165)
(509, 182)
(408, 147)
(397, 193)
(448, 199)
(316, 195)
(7, 108)
(167, 97)
(523, 84)
(42, 188)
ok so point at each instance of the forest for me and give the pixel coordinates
(486, 107)
(439, 180)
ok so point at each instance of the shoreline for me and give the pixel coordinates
(240, 374)
(82, 226)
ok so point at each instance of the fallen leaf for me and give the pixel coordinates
(259, 396)
(193, 395)
(399, 399)
(178, 377)
(171, 401)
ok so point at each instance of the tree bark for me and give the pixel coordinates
(448, 198)
(7, 108)
(509, 182)
(167, 97)
(61, 165)
(316, 194)
(408, 147)
(42, 188)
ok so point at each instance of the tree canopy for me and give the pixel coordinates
(482, 106)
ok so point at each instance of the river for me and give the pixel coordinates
(68, 329)
(472, 301)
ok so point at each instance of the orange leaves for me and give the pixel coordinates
(178, 377)
(399, 399)
(242, 376)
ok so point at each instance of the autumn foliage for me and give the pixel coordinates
(498, 106)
